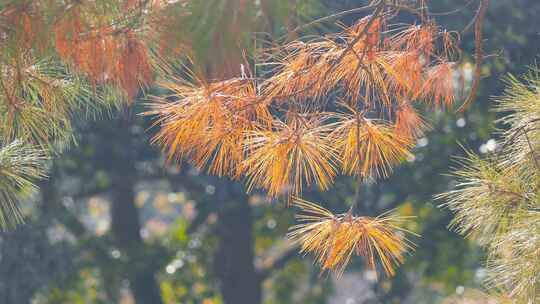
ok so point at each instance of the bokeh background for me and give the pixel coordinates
(115, 224)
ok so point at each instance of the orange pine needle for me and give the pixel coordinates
(415, 37)
(334, 239)
(208, 124)
(301, 72)
(290, 155)
(369, 147)
(438, 87)
(409, 124)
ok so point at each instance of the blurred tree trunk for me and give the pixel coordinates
(234, 259)
(125, 223)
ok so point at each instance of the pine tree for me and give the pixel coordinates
(496, 197)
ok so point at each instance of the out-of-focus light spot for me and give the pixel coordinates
(178, 263)
(156, 227)
(460, 290)
(271, 224)
(174, 265)
(212, 218)
(210, 189)
(461, 122)
(468, 72)
(145, 233)
(116, 254)
(189, 211)
(194, 243)
(370, 275)
(170, 269)
(483, 149)
(422, 142)
(180, 254)
(141, 198)
(256, 200)
(68, 201)
(176, 197)
(172, 197)
(162, 203)
(480, 274)
(489, 146)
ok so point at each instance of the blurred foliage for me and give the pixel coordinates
(82, 263)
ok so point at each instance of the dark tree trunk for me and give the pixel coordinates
(234, 259)
(125, 229)
(125, 223)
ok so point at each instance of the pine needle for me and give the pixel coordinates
(369, 147)
(208, 125)
(289, 156)
(20, 166)
(334, 239)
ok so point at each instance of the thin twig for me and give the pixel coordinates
(532, 150)
(455, 11)
(359, 182)
(479, 54)
(335, 16)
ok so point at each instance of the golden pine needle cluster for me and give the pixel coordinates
(371, 147)
(334, 239)
(289, 155)
(343, 103)
(282, 133)
(209, 123)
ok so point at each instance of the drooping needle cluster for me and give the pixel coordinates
(343, 103)
(283, 159)
(334, 239)
(209, 124)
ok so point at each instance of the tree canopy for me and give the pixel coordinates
(279, 99)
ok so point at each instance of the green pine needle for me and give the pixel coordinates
(20, 167)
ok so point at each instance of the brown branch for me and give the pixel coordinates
(9, 96)
(455, 11)
(479, 53)
(524, 128)
(335, 16)
(533, 156)
(356, 197)
(359, 181)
